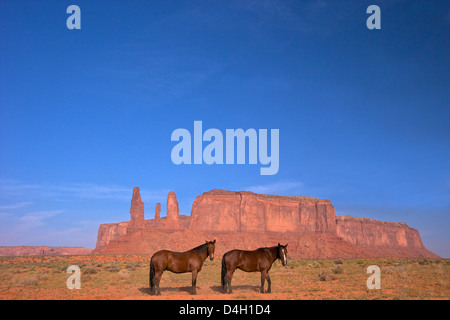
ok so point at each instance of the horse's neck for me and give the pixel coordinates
(202, 250)
(273, 253)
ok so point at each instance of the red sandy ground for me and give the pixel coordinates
(126, 277)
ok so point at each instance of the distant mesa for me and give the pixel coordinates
(247, 220)
(43, 251)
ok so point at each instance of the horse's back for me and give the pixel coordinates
(246, 260)
(161, 253)
(246, 253)
(178, 262)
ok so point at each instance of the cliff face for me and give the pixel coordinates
(246, 220)
(368, 232)
(228, 211)
(110, 231)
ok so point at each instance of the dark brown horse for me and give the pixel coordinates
(179, 262)
(250, 261)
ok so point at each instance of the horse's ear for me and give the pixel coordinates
(214, 241)
(278, 244)
(286, 245)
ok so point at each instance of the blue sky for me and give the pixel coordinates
(86, 115)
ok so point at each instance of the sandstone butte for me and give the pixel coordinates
(245, 220)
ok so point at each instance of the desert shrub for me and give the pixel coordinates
(112, 269)
(62, 268)
(89, 270)
(296, 263)
(30, 280)
(338, 270)
(5, 276)
(436, 261)
(399, 271)
(132, 266)
(124, 274)
(325, 275)
(338, 261)
(42, 277)
(317, 264)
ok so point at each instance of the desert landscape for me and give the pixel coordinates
(328, 254)
(128, 128)
(112, 276)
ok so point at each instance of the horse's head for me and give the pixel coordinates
(211, 248)
(282, 253)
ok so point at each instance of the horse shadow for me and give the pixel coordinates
(239, 288)
(188, 289)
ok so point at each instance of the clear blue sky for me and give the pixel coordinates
(86, 115)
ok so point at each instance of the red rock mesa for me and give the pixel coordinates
(42, 251)
(246, 220)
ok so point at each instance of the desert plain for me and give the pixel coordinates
(125, 276)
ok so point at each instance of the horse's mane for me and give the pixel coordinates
(263, 248)
(201, 248)
(270, 248)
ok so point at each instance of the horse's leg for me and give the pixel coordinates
(263, 278)
(157, 279)
(152, 286)
(194, 281)
(228, 281)
(269, 290)
(224, 285)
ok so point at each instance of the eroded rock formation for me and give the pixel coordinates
(247, 220)
(110, 231)
(137, 211)
(368, 232)
(243, 211)
(173, 219)
(157, 211)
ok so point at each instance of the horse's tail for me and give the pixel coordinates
(223, 279)
(151, 279)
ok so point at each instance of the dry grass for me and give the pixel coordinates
(126, 277)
